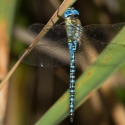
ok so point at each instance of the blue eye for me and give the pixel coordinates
(70, 12)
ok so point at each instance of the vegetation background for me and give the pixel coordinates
(33, 90)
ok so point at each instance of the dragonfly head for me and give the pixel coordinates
(71, 12)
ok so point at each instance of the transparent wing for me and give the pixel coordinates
(107, 57)
(104, 33)
(48, 55)
(51, 50)
(96, 38)
(55, 34)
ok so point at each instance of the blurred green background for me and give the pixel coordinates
(33, 90)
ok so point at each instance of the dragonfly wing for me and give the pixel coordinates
(56, 33)
(95, 38)
(52, 50)
(107, 53)
(103, 33)
(48, 55)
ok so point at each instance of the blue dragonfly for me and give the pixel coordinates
(65, 41)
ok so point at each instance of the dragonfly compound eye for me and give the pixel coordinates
(71, 12)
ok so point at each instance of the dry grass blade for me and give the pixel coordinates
(54, 19)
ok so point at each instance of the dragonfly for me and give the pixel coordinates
(66, 42)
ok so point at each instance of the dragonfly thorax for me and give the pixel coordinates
(74, 29)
